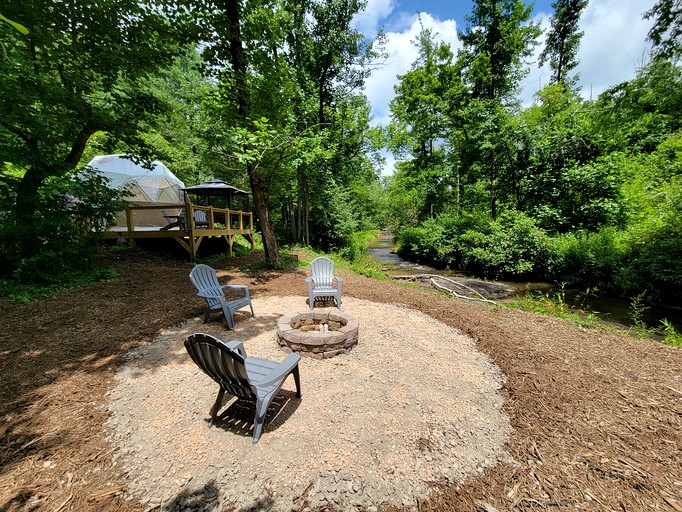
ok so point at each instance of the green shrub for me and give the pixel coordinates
(514, 248)
(68, 231)
(653, 263)
(356, 245)
(585, 259)
(418, 244)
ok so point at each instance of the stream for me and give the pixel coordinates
(608, 309)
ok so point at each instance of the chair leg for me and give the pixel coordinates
(207, 314)
(261, 409)
(216, 407)
(229, 321)
(297, 380)
(252, 313)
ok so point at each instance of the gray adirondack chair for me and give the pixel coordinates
(241, 375)
(200, 219)
(321, 282)
(208, 288)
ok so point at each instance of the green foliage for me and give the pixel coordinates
(356, 246)
(21, 291)
(553, 304)
(496, 41)
(666, 33)
(82, 68)
(638, 115)
(671, 336)
(510, 247)
(70, 216)
(563, 39)
(637, 310)
(588, 259)
(514, 248)
(420, 244)
(653, 239)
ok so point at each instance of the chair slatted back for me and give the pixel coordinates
(200, 217)
(206, 282)
(322, 270)
(221, 363)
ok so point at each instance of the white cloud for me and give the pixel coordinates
(389, 165)
(368, 20)
(401, 54)
(613, 46)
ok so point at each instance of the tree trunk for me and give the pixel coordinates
(493, 182)
(263, 213)
(27, 202)
(291, 207)
(306, 213)
(30, 184)
(239, 66)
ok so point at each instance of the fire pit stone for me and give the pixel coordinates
(319, 334)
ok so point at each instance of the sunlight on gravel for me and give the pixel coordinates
(413, 403)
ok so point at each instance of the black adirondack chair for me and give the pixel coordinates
(240, 375)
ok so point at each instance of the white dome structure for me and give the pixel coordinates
(157, 186)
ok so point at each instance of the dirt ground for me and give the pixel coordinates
(595, 416)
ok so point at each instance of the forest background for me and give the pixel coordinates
(268, 96)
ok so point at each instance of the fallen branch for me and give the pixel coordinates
(480, 297)
(63, 503)
(101, 495)
(412, 277)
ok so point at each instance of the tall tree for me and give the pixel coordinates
(418, 128)
(563, 39)
(302, 65)
(329, 57)
(82, 68)
(496, 42)
(231, 61)
(666, 34)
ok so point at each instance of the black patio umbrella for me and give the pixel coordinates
(216, 188)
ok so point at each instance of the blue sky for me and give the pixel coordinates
(612, 48)
(444, 9)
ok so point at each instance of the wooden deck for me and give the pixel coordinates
(169, 222)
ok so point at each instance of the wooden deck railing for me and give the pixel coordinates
(158, 222)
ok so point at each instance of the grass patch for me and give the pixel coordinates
(240, 247)
(362, 263)
(26, 292)
(287, 261)
(554, 304)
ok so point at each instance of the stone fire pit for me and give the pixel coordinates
(318, 334)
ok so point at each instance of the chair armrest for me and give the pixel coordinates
(242, 287)
(236, 345)
(281, 370)
(211, 294)
(339, 279)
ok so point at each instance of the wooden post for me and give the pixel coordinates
(189, 216)
(130, 226)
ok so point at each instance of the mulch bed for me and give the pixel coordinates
(596, 415)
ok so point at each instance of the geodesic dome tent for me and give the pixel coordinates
(156, 186)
